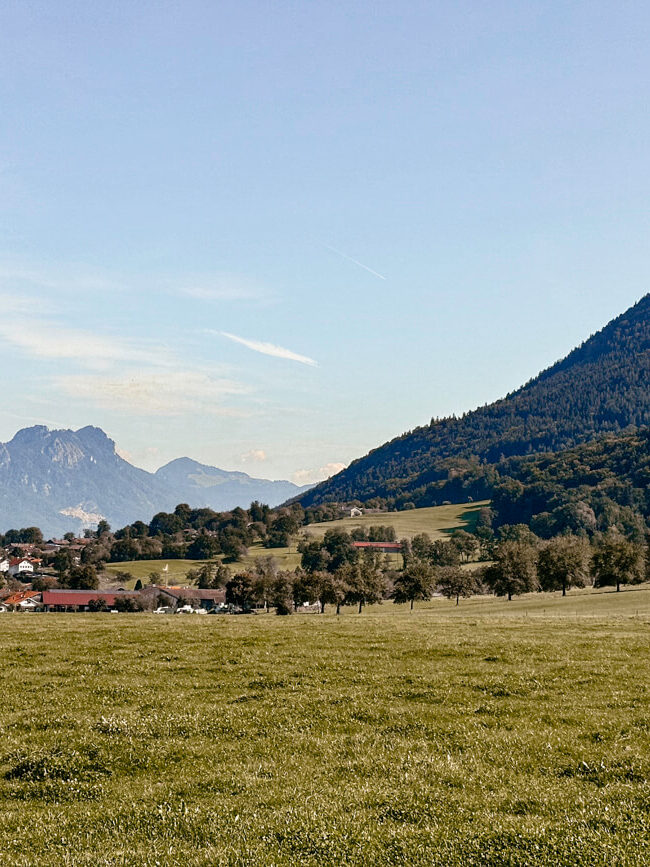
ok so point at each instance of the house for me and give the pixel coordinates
(4, 564)
(355, 512)
(80, 600)
(22, 566)
(24, 600)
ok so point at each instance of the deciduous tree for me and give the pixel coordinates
(454, 582)
(513, 571)
(563, 562)
(416, 581)
(617, 561)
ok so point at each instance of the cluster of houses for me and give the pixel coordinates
(163, 600)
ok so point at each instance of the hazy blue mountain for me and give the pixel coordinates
(62, 480)
(202, 485)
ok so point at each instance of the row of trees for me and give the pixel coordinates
(519, 567)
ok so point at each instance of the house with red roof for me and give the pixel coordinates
(25, 600)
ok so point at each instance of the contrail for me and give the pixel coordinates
(356, 262)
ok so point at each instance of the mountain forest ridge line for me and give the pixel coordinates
(601, 386)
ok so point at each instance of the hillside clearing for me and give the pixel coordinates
(437, 521)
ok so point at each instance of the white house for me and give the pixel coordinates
(4, 564)
(21, 566)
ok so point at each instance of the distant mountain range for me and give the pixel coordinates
(61, 480)
(601, 387)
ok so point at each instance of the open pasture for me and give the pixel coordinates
(437, 521)
(286, 558)
(142, 569)
(487, 734)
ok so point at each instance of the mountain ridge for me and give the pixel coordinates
(601, 386)
(62, 480)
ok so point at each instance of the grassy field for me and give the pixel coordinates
(437, 521)
(176, 572)
(489, 734)
(286, 558)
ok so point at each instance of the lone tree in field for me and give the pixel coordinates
(513, 571)
(454, 582)
(417, 581)
(563, 562)
(265, 572)
(617, 561)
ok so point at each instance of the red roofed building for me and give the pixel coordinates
(79, 600)
(25, 600)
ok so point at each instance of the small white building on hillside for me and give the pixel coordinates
(21, 566)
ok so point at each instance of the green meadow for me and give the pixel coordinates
(437, 521)
(490, 733)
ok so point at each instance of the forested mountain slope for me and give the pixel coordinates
(589, 487)
(602, 386)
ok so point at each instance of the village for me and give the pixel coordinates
(28, 579)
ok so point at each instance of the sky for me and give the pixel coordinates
(272, 236)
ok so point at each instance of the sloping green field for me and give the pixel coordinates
(487, 734)
(437, 521)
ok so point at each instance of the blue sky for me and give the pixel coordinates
(271, 236)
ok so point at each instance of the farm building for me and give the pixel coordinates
(80, 600)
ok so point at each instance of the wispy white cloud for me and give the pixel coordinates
(254, 456)
(45, 338)
(12, 303)
(309, 477)
(59, 277)
(154, 392)
(225, 291)
(267, 348)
